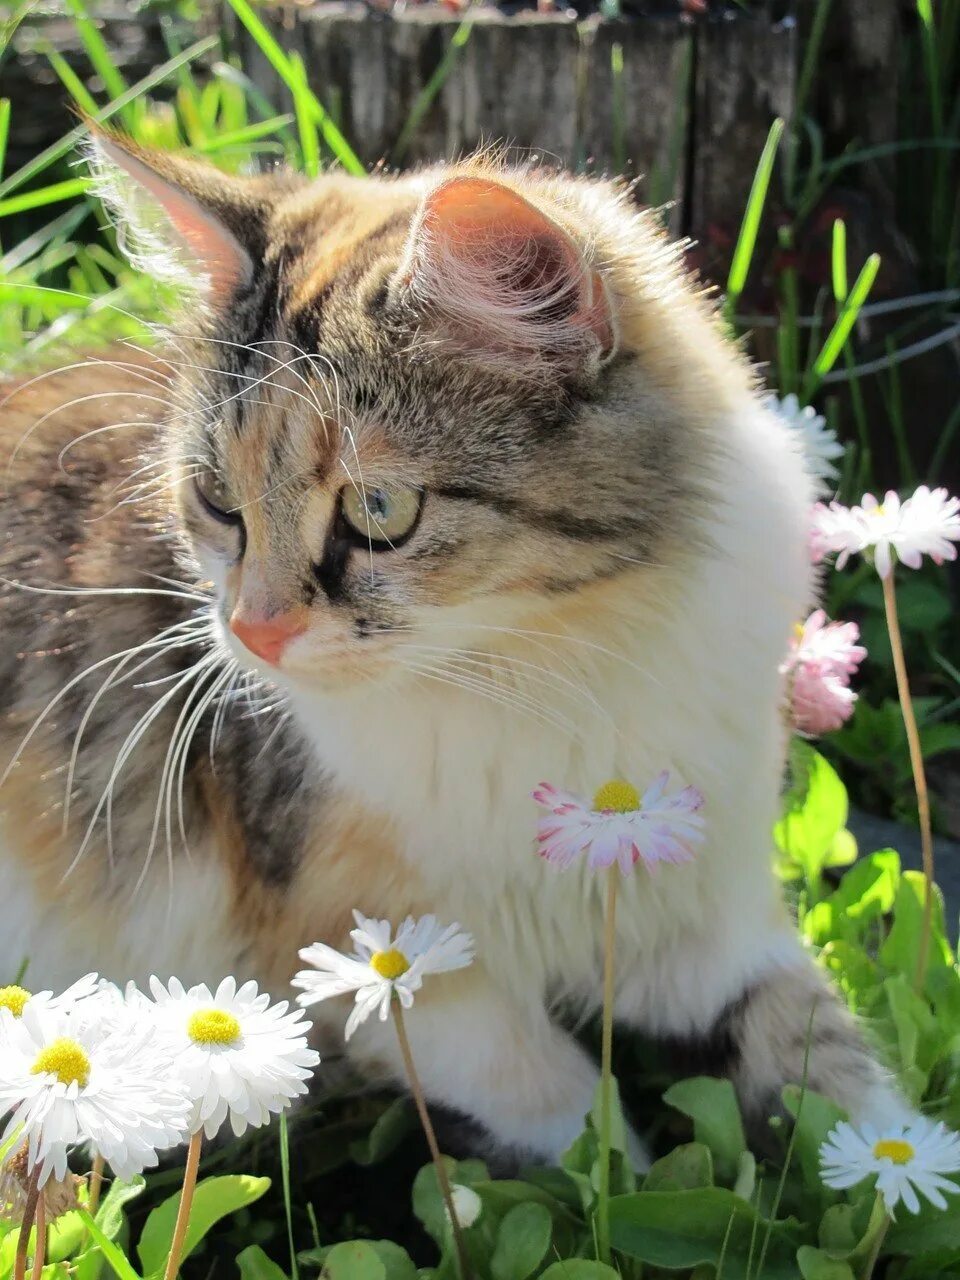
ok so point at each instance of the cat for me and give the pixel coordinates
(440, 485)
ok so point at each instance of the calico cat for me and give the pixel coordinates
(441, 485)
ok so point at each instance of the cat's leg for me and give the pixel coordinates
(503, 1063)
(760, 1019)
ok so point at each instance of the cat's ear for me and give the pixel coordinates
(180, 219)
(501, 278)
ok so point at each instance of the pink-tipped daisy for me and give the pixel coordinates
(822, 657)
(926, 524)
(621, 826)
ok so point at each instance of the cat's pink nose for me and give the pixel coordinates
(267, 637)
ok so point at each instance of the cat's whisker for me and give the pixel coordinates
(178, 636)
(71, 404)
(127, 747)
(493, 693)
(526, 671)
(99, 431)
(536, 633)
(102, 591)
(458, 663)
(180, 765)
(225, 698)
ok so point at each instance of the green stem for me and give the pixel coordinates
(919, 774)
(606, 1068)
(416, 1088)
(878, 1227)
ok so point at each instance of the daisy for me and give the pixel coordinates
(237, 1054)
(822, 657)
(382, 967)
(906, 1159)
(621, 826)
(820, 445)
(67, 1081)
(14, 999)
(927, 523)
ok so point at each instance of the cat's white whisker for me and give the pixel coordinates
(177, 636)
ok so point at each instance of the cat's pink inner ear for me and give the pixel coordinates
(505, 274)
(211, 247)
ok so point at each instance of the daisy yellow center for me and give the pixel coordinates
(895, 1149)
(213, 1026)
(64, 1059)
(616, 796)
(14, 999)
(798, 630)
(389, 964)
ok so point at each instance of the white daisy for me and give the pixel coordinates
(14, 999)
(926, 524)
(69, 1080)
(238, 1054)
(821, 448)
(906, 1159)
(621, 826)
(381, 967)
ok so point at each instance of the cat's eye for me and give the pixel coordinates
(381, 518)
(215, 498)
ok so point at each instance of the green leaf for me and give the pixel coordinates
(815, 817)
(928, 1231)
(353, 1260)
(579, 1269)
(685, 1167)
(255, 1265)
(814, 1119)
(391, 1127)
(814, 1264)
(111, 1251)
(899, 951)
(522, 1241)
(747, 239)
(712, 1106)
(213, 1199)
(679, 1229)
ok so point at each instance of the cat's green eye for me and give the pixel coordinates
(381, 518)
(215, 498)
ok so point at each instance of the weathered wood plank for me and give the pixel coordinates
(636, 104)
(746, 76)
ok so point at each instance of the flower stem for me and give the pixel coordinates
(40, 1248)
(919, 775)
(95, 1185)
(186, 1201)
(29, 1213)
(606, 1068)
(416, 1088)
(877, 1229)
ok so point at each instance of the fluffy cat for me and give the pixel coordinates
(443, 484)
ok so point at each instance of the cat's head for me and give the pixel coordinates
(413, 415)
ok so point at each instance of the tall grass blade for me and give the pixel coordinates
(287, 1204)
(306, 126)
(53, 153)
(843, 325)
(425, 98)
(44, 196)
(747, 239)
(285, 69)
(100, 57)
(838, 261)
(4, 129)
